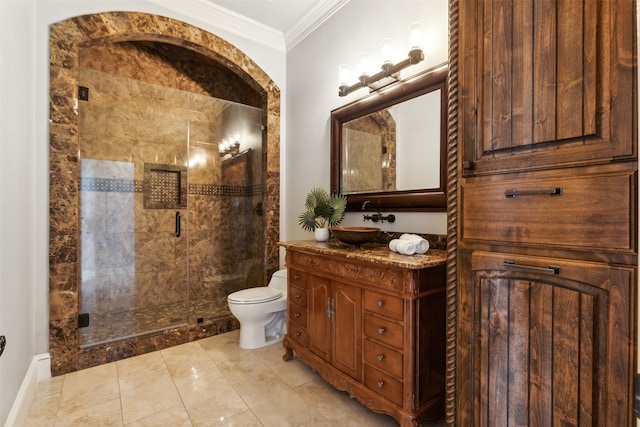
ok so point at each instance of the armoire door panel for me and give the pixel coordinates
(548, 349)
(546, 79)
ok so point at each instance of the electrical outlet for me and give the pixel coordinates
(3, 343)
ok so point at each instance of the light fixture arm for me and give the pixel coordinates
(388, 70)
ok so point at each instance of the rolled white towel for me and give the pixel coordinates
(392, 245)
(406, 247)
(422, 245)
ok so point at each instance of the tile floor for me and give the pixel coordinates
(211, 382)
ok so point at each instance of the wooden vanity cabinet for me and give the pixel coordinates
(547, 219)
(374, 330)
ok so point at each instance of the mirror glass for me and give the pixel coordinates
(389, 148)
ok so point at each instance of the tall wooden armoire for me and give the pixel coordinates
(545, 212)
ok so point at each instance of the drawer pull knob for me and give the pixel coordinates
(297, 334)
(512, 194)
(380, 303)
(380, 357)
(381, 331)
(380, 384)
(297, 277)
(297, 296)
(511, 265)
(296, 315)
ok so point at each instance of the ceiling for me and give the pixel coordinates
(294, 19)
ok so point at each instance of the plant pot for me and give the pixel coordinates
(321, 234)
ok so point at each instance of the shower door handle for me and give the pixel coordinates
(178, 224)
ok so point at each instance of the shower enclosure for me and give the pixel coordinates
(170, 204)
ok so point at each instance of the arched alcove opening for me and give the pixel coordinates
(160, 36)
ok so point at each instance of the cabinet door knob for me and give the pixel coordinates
(297, 277)
(381, 331)
(297, 334)
(380, 384)
(380, 357)
(380, 303)
(296, 315)
(297, 296)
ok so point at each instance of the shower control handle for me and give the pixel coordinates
(178, 224)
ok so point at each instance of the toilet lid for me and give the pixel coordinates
(255, 295)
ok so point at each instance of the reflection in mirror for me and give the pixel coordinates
(397, 148)
(388, 148)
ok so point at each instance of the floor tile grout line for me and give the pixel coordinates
(173, 380)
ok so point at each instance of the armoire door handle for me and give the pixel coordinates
(511, 265)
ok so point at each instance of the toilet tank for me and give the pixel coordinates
(279, 280)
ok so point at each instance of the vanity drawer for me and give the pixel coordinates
(298, 333)
(297, 296)
(383, 330)
(297, 278)
(552, 210)
(384, 305)
(383, 384)
(383, 358)
(298, 315)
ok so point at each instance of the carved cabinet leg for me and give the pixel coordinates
(288, 352)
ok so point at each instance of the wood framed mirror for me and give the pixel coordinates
(389, 147)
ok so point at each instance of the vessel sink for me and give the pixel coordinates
(355, 236)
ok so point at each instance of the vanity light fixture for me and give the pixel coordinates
(389, 72)
(230, 145)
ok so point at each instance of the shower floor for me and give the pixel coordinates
(125, 324)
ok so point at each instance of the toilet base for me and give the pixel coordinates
(257, 337)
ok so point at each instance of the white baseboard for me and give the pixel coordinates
(39, 369)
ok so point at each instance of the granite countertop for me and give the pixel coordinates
(371, 252)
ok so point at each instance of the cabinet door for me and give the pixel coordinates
(347, 329)
(545, 342)
(546, 79)
(319, 303)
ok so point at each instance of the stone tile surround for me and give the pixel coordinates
(67, 38)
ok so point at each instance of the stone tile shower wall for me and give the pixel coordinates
(187, 46)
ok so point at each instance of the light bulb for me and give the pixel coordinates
(415, 35)
(386, 50)
(344, 74)
(365, 64)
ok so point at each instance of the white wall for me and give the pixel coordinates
(312, 88)
(17, 196)
(24, 98)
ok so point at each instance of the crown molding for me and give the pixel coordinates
(313, 19)
(213, 15)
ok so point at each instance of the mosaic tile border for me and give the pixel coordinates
(118, 185)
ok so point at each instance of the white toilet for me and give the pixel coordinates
(262, 312)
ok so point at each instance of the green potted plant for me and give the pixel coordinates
(323, 210)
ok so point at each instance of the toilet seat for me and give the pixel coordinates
(254, 295)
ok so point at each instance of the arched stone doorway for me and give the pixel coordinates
(67, 38)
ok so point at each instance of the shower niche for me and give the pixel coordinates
(165, 186)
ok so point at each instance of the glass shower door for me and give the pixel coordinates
(133, 143)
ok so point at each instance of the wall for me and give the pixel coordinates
(24, 71)
(312, 92)
(18, 228)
